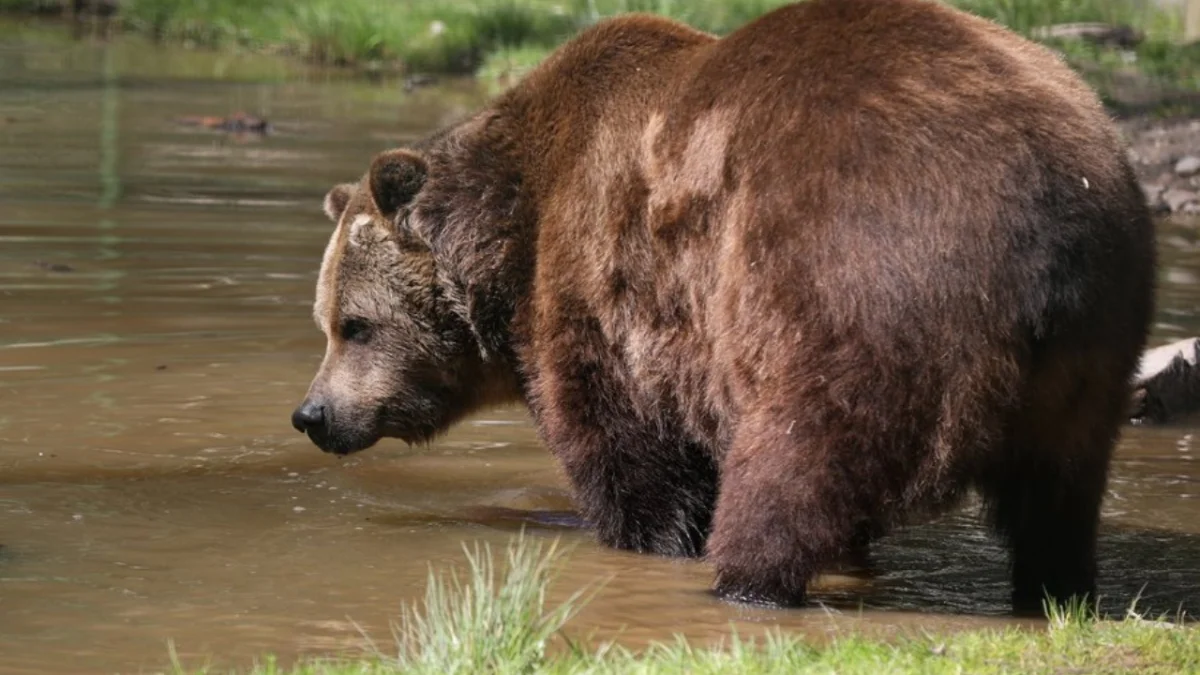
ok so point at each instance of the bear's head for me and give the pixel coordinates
(402, 359)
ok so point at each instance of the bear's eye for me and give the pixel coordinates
(355, 330)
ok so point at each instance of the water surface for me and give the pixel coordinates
(155, 290)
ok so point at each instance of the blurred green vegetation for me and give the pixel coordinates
(1024, 16)
(500, 38)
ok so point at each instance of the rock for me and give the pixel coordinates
(1177, 242)
(1177, 200)
(1153, 193)
(418, 80)
(1188, 166)
(1106, 35)
(1180, 276)
(53, 266)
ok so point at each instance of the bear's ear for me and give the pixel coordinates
(396, 177)
(337, 199)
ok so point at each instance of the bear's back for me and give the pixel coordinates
(893, 170)
(887, 158)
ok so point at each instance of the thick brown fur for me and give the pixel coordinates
(768, 294)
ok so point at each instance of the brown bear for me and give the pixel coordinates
(764, 295)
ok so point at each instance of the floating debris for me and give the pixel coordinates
(237, 123)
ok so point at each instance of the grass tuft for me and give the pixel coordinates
(481, 626)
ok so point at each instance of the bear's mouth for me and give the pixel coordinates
(341, 444)
(412, 436)
(343, 441)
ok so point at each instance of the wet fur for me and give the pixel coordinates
(769, 295)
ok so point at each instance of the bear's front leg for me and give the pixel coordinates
(641, 493)
(635, 478)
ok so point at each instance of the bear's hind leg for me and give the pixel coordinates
(1043, 493)
(797, 495)
(1047, 512)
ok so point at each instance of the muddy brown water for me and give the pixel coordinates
(155, 333)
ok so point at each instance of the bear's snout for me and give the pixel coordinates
(333, 433)
(309, 417)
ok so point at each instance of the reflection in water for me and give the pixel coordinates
(155, 283)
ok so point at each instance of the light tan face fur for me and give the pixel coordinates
(398, 362)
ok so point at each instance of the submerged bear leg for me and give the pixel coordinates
(643, 493)
(1047, 512)
(1043, 493)
(796, 496)
(635, 478)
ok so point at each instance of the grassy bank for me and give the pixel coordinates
(495, 620)
(505, 37)
(420, 35)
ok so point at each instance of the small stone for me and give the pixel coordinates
(1152, 191)
(53, 266)
(1178, 242)
(1188, 166)
(1177, 199)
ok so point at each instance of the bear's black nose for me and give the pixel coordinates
(310, 415)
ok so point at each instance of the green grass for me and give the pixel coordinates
(496, 621)
(420, 35)
(715, 16)
(505, 38)
(1159, 57)
(28, 5)
(1025, 15)
(510, 63)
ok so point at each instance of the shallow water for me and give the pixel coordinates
(155, 284)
